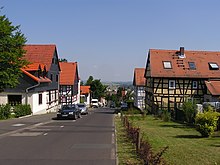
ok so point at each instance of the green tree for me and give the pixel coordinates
(89, 81)
(11, 53)
(62, 60)
(189, 109)
(98, 89)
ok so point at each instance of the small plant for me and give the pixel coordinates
(5, 111)
(165, 115)
(22, 110)
(206, 123)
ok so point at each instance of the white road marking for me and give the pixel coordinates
(61, 126)
(45, 134)
(18, 125)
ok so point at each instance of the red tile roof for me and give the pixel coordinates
(213, 87)
(139, 79)
(40, 54)
(84, 89)
(68, 73)
(180, 66)
(35, 67)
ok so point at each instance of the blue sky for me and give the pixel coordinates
(109, 38)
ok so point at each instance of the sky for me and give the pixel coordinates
(110, 38)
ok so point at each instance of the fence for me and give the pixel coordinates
(143, 148)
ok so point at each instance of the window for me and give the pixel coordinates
(51, 77)
(213, 66)
(167, 65)
(194, 84)
(40, 98)
(192, 66)
(172, 84)
(57, 78)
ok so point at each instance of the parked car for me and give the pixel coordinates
(94, 103)
(71, 111)
(83, 108)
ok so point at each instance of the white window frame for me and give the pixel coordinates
(167, 65)
(172, 84)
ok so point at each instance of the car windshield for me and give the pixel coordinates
(68, 106)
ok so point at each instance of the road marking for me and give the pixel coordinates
(61, 126)
(14, 132)
(18, 125)
(45, 134)
(27, 134)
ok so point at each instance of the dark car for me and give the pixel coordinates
(83, 108)
(69, 112)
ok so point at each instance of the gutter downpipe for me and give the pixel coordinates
(31, 87)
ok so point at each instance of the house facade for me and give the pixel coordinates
(40, 81)
(139, 88)
(69, 92)
(173, 76)
(85, 95)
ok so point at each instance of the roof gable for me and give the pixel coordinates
(43, 54)
(69, 73)
(139, 79)
(180, 67)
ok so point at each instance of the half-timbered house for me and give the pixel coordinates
(172, 76)
(139, 88)
(69, 83)
(40, 81)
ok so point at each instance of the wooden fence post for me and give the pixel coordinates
(138, 140)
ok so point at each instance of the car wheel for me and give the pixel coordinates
(75, 116)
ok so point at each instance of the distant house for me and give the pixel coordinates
(139, 82)
(40, 81)
(85, 94)
(69, 83)
(173, 76)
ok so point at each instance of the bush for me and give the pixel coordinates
(189, 109)
(22, 110)
(206, 123)
(5, 111)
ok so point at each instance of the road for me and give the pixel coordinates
(40, 140)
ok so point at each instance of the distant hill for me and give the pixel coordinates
(120, 83)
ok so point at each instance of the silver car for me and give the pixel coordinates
(83, 108)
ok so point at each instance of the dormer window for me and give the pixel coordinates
(213, 66)
(192, 66)
(167, 65)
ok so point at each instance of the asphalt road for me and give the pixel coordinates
(40, 140)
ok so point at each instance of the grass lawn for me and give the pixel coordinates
(125, 150)
(186, 147)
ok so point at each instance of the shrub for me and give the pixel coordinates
(189, 109)
(5, 111)
(165, 115)
(206, 123)
(22, 110)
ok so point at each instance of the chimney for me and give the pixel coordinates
(182, 54)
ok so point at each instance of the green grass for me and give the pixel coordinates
(186, 146)
(125, 149)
